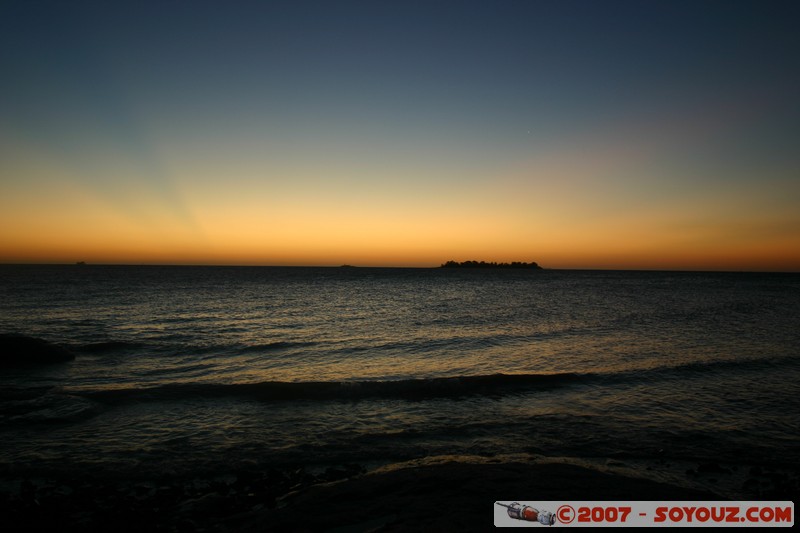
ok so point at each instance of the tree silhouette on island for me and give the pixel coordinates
(484, 264)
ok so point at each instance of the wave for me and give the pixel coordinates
(10, 393)
(691, 369)
(739, 365)
(493, 385)
(273, 346)
(409, 389)
(108, 347)
(758, 363)
(50, 407)
(117, 346)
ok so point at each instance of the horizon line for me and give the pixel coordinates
(437, 267)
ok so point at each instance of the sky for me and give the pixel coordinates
(578, 134)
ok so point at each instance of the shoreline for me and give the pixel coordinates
(402, 496)
(453, 496)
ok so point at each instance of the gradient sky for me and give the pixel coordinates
(579, 134)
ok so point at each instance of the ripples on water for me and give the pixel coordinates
(192, 366)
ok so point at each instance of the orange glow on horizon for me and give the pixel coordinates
(769, 257)
(571, 208)
(223, 228)
(125, 141)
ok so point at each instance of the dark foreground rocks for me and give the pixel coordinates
(451, 497)
(21, 350)
(93, 503)
(442, 497)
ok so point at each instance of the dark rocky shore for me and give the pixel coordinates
(166, 503)
(392, 499)
(21, 350)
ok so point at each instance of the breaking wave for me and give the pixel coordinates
(410, 389)
(422, 388)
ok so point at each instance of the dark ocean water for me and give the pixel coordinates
(206, 369)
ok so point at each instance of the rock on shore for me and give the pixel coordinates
(21, 350)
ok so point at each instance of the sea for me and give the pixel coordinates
(205, 370)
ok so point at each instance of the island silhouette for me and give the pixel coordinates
(484, 264)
